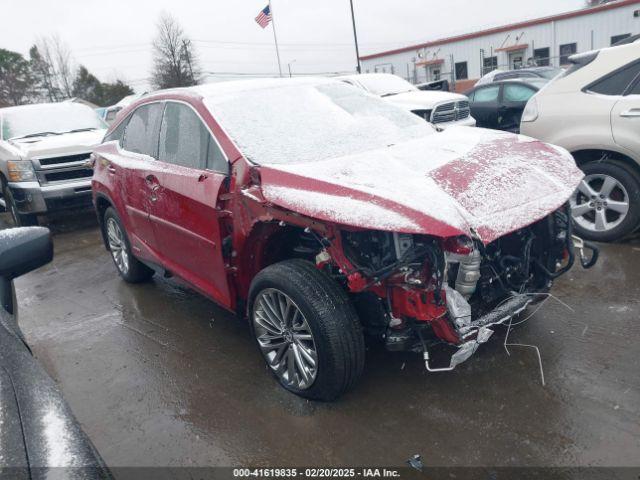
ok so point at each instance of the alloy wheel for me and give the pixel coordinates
(117, 245)
(285, 339)
(600, 203)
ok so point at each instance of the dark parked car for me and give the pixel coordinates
(530, 73)
(39, 436)
(499, 105)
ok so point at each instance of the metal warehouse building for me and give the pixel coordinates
(550, 40)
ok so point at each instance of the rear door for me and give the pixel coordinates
(484, 105)
(513, 100)
(625, 117)
(139, 152)
(620, 88)
(183, 213)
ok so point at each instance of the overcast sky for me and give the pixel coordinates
(113, 37)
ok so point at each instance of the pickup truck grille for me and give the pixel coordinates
(63, 168)
(45, 162)
(68, 175)
(451, 112)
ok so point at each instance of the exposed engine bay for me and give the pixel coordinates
(417, 291)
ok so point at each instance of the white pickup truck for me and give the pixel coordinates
(44, 153)
(440, 108)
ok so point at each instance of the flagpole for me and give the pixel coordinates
(275, 37)
(355, 36)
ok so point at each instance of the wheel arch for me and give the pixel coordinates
(269, 243)
(102, 203)
(585, 156)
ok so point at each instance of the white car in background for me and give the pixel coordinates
(44, 154)
(440, 108)
(593, 110)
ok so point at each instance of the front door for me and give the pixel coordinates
(136, 160)
(516, 60)
(484, 106)
(513, 100)
(193, 173)
(625, 120)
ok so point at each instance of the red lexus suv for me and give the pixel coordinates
(324, 214)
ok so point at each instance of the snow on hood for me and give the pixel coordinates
(462, 181)
(67, 143)
(423, 99)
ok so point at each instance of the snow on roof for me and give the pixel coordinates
(275, 121)
(238, 86)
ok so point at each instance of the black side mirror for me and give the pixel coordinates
(23, 250)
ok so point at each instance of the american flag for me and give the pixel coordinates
(264, 18)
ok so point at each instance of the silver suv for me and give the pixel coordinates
(593, 110)
(44, 154)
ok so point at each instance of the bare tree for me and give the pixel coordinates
(64, 64)
(53, 68)
(175, 61)
(44, 73)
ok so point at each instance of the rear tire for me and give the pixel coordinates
(607, 201)
(331, 329)
(129, 267)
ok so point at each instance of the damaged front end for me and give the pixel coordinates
(418, 292)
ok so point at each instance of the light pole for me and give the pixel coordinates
(355, 36)
(289, 65)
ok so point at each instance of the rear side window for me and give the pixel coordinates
(635, 89)
(141, 134)
(517, 93)
(185, 140)
(118, 133)
(489, 94)
(616, 83)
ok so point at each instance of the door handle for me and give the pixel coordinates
(111, 168)
(151, 180)
(154, 190)
(632, 112)
(202, 177)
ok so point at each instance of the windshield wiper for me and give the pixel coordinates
(395, 93)
(75, 130)
(38, 134)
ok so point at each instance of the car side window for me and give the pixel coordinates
(616, 83)
(186, 141)
(517, 93)
(635, 90)
(117, 133)
(140, 135)
(486, 95)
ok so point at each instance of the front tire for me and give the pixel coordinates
(307, 330)
(606, 205)
(129, 267)
(19, 219)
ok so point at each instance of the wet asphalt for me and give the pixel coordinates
(160, 376)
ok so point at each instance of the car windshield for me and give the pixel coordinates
(47, 119)
(385, 84)
(550, 73)
(301, 123)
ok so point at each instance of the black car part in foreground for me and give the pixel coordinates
(39, 436)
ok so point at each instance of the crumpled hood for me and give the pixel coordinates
(423, 99)
(464, 180)
(67, 143)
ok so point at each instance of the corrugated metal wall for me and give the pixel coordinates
(588, 32)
